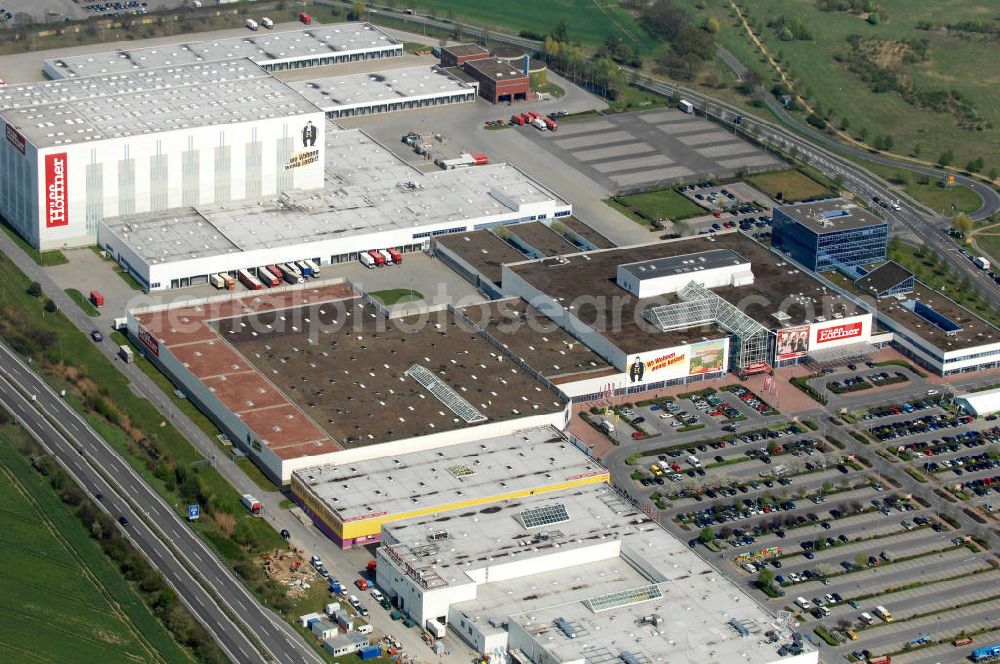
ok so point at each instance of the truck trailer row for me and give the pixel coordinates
(267, 275)
(380, 257)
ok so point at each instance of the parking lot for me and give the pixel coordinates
(637, 150)
(879, 517)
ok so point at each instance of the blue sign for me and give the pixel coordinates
(194, 512)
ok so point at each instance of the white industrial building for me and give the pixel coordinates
(372, 200)
(386, 91)
(979, 404)
(575, 577)
(81, 150)
(712, 269)
(273, 51)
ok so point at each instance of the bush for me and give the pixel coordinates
(35, 289)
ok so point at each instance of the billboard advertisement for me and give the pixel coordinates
(658, 365)
(149, 341)
(56, 204)
(839, 332)
(708, 357)
(15, 138)
(792, 342)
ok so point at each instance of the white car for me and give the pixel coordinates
(931, 393)
(377, 595)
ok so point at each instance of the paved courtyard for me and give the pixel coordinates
(637, 150)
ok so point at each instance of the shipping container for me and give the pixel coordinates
(96, 298)
(313, 267)
(370, 652)
(366, 260)
(250, 281)
(305, 18)
(252, 503)
(377, 257)
(290, 274)
(267, 278)
(267, 23)
(252, 24)
(217, 281)
(397, 257)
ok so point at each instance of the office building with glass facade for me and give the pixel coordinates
(830, 234)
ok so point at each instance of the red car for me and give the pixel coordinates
(638, 434)
(716, 214)
(361, 584)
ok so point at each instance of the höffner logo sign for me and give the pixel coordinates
(838, 332)
(56, 205)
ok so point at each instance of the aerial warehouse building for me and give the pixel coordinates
(81, 150)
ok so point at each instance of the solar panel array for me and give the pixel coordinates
(536, 517)
(623, 598)
(445, 394)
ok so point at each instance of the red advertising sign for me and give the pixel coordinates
(15, 138)
(592, 473)
(149, 341)
(792, 342)
(370, 515)
(838, 332)
(756, 368)
(56, 203)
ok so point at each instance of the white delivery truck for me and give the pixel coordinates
(252, 24)
(217, 281)
(366, 259)
(539, 124)
(267, 23)
(981, 263)
(313, 267)
(686, 106)
(252, 504)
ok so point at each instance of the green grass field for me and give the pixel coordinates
(990, 245)
(659, 204)
(791, 184)
(43, 258)
(63, 600)
(931, 193)
(956, 61)
(393, 296)
(589, 21)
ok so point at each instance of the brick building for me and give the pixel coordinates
(459, 54)
(498, 80)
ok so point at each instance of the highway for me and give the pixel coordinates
(821, 151)
(152, 524)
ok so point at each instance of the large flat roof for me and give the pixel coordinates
(529, 334)
(591, 278)
(262, 47)
(498, 70)
(388, 85)
(974, 330)
(525, 461)
(684, 264)
(138, 103)
(368, 190)
(482, 250)
(607, 547)
(831, 215)
(345, 366)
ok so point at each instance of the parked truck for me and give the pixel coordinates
(981, 263)
(290, 275)
(386, 256)
(267, 278)
(883, 613)
(397, 257)
(377, 257)
(252, 504)
(217, 281)
(96, 298)
(436, 629)
(539, 124)
(119, 323)
(250, 281)
(305, 18)
(607, 426)
(366, 259)
(125, 353)
(686, 106)
(267, 23)
(551, 124)
(313, 268)
(303, 268)
(252, 24)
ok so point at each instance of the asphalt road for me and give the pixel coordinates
(822, 152)
(233, 641)
(82, 450)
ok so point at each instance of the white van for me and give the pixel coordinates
(693, 460)
(363, 628)
(377, 595)
(802, 603)
(867, 618)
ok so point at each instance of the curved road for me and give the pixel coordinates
(817, 148)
